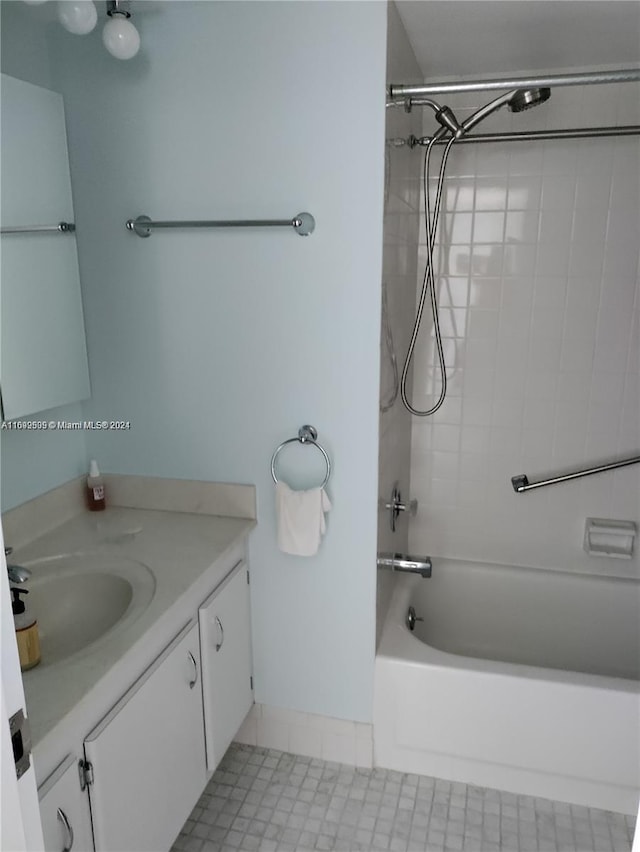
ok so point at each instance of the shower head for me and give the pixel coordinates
(524, 99)
(517, 101)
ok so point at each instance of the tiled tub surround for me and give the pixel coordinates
(539, 293)
(271, 801)
(509, 683)
(188, 551)
(399, 270)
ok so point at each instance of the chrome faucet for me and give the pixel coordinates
(17, 574)
(408, 564)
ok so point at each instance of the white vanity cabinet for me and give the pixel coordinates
(225, 645)
(64, 810)
(147, 755)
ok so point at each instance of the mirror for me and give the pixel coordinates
(43, 358)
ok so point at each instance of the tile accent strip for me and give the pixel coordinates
(308, 734)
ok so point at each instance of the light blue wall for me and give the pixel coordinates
(218, 345)
(34, 462)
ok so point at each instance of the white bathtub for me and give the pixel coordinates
(521, 679)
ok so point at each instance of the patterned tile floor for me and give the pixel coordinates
(260, 800)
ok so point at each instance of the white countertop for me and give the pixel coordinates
(188, 554)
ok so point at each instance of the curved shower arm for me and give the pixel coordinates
(480, 114)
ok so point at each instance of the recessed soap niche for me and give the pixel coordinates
(606, 537)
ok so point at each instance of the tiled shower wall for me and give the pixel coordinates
(538, 262)
(401, 217)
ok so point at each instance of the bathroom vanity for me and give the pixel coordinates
(128, 730)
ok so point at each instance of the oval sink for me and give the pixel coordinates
(83, 599)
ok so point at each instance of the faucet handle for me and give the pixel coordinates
(8, 551)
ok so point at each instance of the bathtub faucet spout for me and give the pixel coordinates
(402, 562)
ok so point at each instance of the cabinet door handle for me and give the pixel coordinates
(221, 642)
(67, 827)
(193, 682)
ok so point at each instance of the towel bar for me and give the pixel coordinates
(61, 228)
(303, 224)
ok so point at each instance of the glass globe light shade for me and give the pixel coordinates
(120, 37)
(77, 16)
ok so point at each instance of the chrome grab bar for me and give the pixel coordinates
(521, 482)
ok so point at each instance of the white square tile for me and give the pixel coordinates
(556, 225)
(558, 192)
(446, 438)
(517, 293)
(343, 727)
(304, 740)
(488, 227)
(474, 439)
(485, 293)
(519, 259)
(524, 192)
(552, 258)
(453, 292)
(456, 227)
(577, 354)
(248, 733)
(521, 226)
(547, 323)
(526, 160)
(491, 194)
(270, 734)
(339, 747)
(544, 358)
(364, 753)
(483, 324)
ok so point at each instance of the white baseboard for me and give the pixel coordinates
(308, 734)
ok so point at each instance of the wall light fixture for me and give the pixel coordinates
(119, 35)
(80, 17)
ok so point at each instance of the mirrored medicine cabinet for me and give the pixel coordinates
(43, 357)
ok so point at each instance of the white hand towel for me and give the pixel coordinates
(301, 522)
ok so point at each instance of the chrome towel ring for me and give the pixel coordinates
(306, 435)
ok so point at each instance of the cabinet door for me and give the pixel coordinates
(225, 647)
(148, 754)
(64, 810)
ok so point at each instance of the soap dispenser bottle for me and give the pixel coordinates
(95, 488)
(26, 631)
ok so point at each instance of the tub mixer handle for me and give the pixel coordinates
(396, 505)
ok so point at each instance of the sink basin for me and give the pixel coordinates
(81, 600)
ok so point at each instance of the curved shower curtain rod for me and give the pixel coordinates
(398, 92)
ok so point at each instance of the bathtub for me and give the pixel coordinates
(521, 679)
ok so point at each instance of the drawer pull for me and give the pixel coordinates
(193, 682)
(67, 827)
(221, 642)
